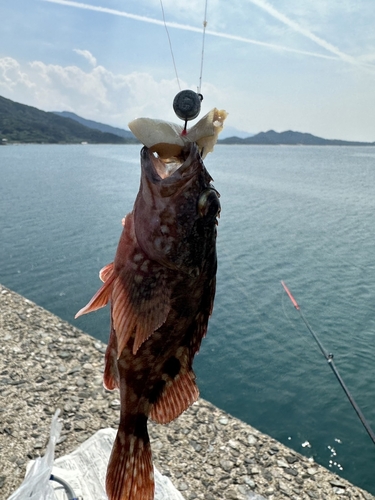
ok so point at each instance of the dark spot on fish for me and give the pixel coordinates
(137, 425)
(156, 391)
(140, 428)
(138, 388)
(172, 367)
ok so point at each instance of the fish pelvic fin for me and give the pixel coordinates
(103, 295)
(130, 473)
(177, 396)
(111, 376)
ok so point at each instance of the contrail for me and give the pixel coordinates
(263, 4)
(186, 27)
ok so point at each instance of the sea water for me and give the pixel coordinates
(304, 215)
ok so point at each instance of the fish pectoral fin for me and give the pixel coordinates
(106, 272)
(100, 299)
(152, 315)
(140, 305)
(177, 396)
(130, 471)
(141, 291)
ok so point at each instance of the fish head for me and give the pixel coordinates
(176, 210)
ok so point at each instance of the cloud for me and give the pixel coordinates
(267, 7)
(368, 58)
(116, 98)
(87, 55)
(97, 94)
(181, 9)
(12, 76)
(186, 27)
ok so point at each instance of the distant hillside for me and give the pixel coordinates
(97, 125)
(25, 124)
(229, 131)
(290, 138)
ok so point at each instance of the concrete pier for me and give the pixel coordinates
(46, 363)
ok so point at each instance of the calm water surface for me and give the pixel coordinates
(300, 214)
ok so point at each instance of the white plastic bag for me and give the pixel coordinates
(79, 470)
(36, 485)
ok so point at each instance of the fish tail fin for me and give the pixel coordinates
(102, 296)
(130, 473)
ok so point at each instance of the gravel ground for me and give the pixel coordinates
(46, 364)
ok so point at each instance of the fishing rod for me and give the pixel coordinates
(329, 358)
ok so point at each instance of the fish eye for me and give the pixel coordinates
(209, 204)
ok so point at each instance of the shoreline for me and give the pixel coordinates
(46, 364)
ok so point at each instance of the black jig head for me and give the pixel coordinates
(187, 105)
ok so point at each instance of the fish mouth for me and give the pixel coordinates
(166, 167)
(175, 168)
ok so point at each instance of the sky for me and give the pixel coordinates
(307, 66)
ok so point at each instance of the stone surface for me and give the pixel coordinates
(46, 363)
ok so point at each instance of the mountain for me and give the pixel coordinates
(229, 131)
(290, 138)
(26, 124)
(97, 126)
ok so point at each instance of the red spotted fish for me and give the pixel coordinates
(161, 288)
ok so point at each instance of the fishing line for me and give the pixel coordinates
(242, 286)
(329, 357)
(170, 44)
(187, 103)
(255, 312)
(202, 54)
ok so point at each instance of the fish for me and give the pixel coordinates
(161, 288)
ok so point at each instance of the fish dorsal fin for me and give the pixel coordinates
(177, 396)
(141, 292)
(103, 295)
